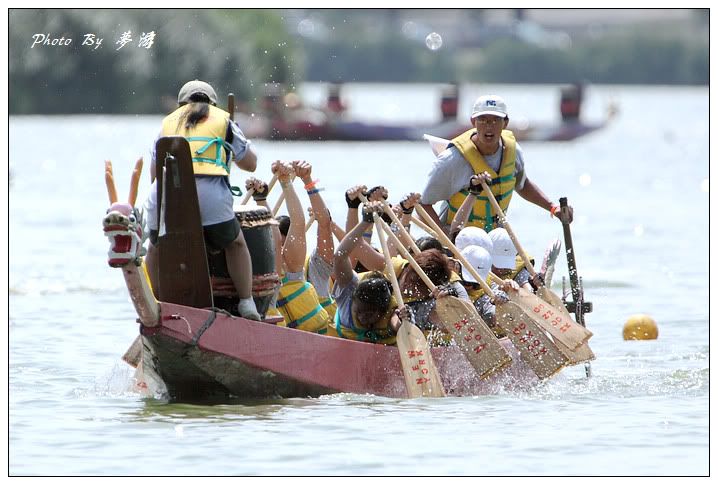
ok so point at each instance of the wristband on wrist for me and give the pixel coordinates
(404, 209)
(475, 189)
(259, 196)
(554, 209)
(311, 184)
(313, 191)
(352, 203)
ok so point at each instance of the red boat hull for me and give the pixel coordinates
(201, 353)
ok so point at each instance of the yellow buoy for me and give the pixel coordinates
(640, 327)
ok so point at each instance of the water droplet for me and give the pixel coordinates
(434, 41)
(705, 185)
(584, 180)
(638, 230)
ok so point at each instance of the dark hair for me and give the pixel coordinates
(374, 290)
(436, 266)
(360, 268)
(430, 242)
(199, 109)
(283, 224)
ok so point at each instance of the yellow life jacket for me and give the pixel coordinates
(398, 263)
(502, 183)
(380, 334)
(519, 266)
(474, 292)
(206, 140)
(299, 304)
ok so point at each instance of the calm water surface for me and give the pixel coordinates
(640, 191)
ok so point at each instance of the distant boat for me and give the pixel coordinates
(314, 124)
(309, 130)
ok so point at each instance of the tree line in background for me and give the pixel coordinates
(241, 51)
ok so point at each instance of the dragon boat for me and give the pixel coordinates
(356, 130)
(192, 347)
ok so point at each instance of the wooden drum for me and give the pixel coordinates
(256, 225)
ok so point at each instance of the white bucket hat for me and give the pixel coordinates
(480, 259)
(504, 252)
(473, 236)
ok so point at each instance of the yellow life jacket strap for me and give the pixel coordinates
(284, 301)
(362, 335)
(220, 142)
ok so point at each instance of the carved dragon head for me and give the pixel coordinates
(123, 224)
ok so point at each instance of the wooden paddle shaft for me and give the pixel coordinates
(387, 259)
(280, 201)
(309, 223)
(457, 254)
(401, 227)
(519, 248)
(423, 226)
(396, 221)
(251, 191)
(405, 253)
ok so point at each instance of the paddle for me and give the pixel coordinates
(396, 221)
(420, 374)
(576, 289)
(309, 223)
(423, 226)
(535, 347)
(249, 193)
(555, 319)
(536, 306)
(580, 354)
(280, 201)
(473, 337)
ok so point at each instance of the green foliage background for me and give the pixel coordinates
(241, 50)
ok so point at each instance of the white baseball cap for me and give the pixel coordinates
(194, 87)
(473, 236)
(504, 252)
(489, 105)
(480, 259)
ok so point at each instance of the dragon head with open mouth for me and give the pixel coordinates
(123, 224)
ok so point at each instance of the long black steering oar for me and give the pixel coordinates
(579, 306)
